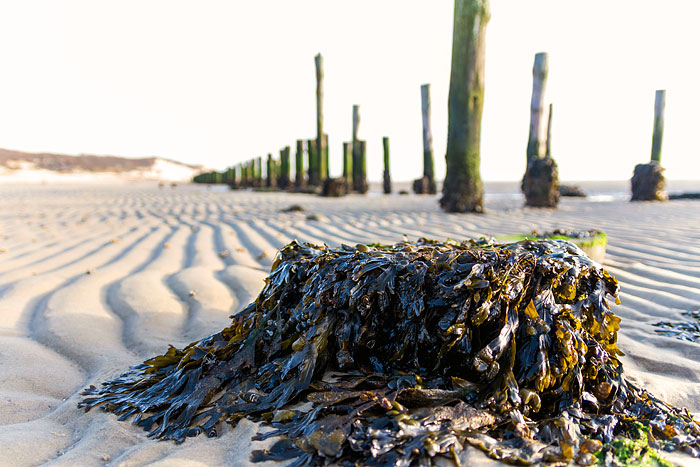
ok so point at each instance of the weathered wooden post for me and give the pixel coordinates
(540, 184)
(324, 168)
(658, 134)
(299, 165)
(463, 190)
(539, 82)
(648, 182)
(231, 177)
(363, 185)
(313, 164)
(321, 149)
(359, 155)
(258, 172)
(426, 184)
(347, 164)
(270, 172)
(548, 150)
(387, 175)
(355, 147)
(283, 179)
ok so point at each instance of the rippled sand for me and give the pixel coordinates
(94, 279)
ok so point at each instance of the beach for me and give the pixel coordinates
(96, 278)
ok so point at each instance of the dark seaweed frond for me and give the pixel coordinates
(408, 352)
(684, 330)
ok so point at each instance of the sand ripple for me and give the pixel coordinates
(94, 279)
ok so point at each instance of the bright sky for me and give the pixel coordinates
(219, 82)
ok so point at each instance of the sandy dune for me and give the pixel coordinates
(94, 279)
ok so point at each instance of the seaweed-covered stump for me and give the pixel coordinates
(540, 183)
(648, 182)
(413, 351)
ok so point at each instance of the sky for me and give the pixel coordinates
(220, 82)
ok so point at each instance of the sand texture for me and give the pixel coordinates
(94, 279)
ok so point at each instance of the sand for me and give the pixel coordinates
(95, 278)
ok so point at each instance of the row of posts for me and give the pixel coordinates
(354, 179)
(540, 183)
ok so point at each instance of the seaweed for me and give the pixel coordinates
(682, 330)
(408, 352)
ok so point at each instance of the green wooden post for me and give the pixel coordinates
(387, 175)
(270, 172)
(258, 172)
(347, 164)
(284, 176)
(363, 186)
(656, 140)
(321, 148)
(324, 168)
(299, 165)
(230, 177)
(313, 160)
(463, 190)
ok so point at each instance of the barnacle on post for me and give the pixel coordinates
(408, 352)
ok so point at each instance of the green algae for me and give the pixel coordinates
(634, 451)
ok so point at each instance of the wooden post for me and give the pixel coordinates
(548, 151)
(230, 177)
(387, 175)
(347, 164)
(299, 164)
(540, 184)
(323, 158)
(314, 172)
(270, 172)
(258, 172)
(321, 149)
(539, 81)
(284, 176)
(428, 164)
(356, 154)
(463, 190)
(363, 187)
(659, 105)
(355, 122)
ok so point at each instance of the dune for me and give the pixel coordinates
(95, 278)
(22, 167)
